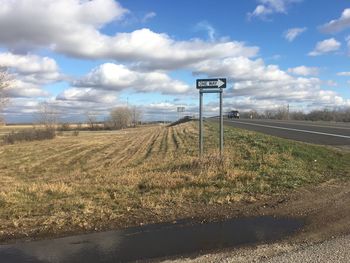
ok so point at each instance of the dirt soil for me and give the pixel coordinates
(325, 209)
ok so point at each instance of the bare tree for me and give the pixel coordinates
(282, 113)
(91, 119)
(48, 116)
(121, 117)
(5, 83)
(136, 116)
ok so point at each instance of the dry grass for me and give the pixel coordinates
(110, 179)
(5, 129)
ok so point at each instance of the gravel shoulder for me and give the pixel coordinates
(325, 237)
(335, 250)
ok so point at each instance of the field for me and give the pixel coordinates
(107, 180)
(6, 129)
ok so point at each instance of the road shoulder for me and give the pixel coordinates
(325, 209)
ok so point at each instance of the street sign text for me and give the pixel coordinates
(219, 83)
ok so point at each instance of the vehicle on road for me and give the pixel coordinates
(234, 114)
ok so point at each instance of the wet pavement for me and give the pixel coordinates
(152, 241)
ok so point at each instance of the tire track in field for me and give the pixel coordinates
(59, 157)
(163, 146)
(189, 136)
(137, 146)
(181, 138)
(157, 146)
(115, 148)
(145, 152)
(175, 139)
(169, 140)
(47, 153)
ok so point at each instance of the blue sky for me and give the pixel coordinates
(91, 56)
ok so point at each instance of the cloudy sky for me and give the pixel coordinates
(90, 56)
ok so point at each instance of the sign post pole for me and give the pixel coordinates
(210, 86)
(200, 124)
(221, 126)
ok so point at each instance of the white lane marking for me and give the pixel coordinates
(311, 125)
(291, 129)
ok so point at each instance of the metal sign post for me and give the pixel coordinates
(200, 123)
(221, 125)
(210, 86)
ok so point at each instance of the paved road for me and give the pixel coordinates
(318, 133)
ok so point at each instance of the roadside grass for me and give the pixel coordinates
(116, 179)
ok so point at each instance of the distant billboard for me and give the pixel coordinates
(180, 109)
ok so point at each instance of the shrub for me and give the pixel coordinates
(64, 127)
(75, 133)
(29, 135)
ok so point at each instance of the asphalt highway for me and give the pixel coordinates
(312, 132)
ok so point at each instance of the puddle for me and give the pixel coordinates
(151, 241)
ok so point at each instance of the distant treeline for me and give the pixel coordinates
(338, 115)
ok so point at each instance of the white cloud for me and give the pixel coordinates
(304, 71)
(29, 72)
(27, 109)
(37, 23)
(21, 89)
(74, 109)
(148, 17)
(28, 64)
(31, 68)
(259, 82)
(204, 25)
(111, 76)
(21, 106)
(77, 33)
(337, 25)
(292, 33)
(250, 103)
(168, 111)
(176, 54)
(325, 46)
(87, 95)
(300, 90)
(293, 89)
(241, 68)
(268, 7)
(331, 83)
(344, 73)
(74, 28)
(260, 11)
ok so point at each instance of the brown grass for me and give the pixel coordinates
(112, 179)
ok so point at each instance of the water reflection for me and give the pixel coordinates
(151, 241)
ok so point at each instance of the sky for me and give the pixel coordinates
(87, 57)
